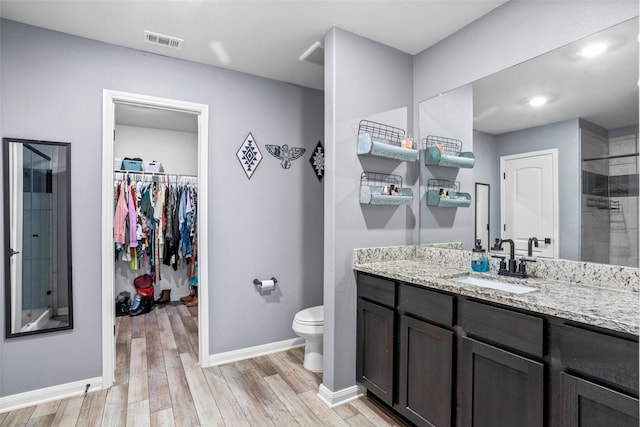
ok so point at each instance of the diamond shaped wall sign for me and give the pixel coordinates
(317, 161)
(249, 155)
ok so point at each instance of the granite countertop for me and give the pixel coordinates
(614, 309)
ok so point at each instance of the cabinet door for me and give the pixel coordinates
(374, 366)
(425, 375)
(590, 405)
(498, 388)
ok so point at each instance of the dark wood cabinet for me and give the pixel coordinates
(600, 384)
(425, 374)
(440, 359)
(498, 388)
(375, 348)
(587, 404)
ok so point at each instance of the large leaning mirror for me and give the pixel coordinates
(590, 121)
(37, 230)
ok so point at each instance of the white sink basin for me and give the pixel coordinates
(495, 284)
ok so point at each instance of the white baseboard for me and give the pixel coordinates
(250, 352)
(340, 397)
(47, 394)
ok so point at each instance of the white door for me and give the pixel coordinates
(529, 201)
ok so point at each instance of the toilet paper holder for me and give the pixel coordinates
(258, 282)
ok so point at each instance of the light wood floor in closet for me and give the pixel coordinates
(159, 383)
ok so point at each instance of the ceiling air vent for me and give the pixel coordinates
(162, 40)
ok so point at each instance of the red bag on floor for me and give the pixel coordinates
(144, 281)
(145, 292)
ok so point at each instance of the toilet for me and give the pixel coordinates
(309, 324)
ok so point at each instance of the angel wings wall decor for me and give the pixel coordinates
(285, 153)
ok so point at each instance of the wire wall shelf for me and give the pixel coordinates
(611, 205)
(446, 194)
(447, 152)
(383, 189)
(377, 139)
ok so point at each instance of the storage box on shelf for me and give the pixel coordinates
(447, 152)
(117, 163)
(153, 166)
(383, 189)
(136, 165)
(446, 194)
(377, 139)
(129, 164)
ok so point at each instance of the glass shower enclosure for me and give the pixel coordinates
(609, 200)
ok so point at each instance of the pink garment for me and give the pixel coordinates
(133, 240)
(120, 218)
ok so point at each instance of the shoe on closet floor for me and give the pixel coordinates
(143, 308)
(192, 303)
(165, 297)
(186, 299)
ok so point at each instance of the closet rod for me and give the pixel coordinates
(179, 175)
(610, 157)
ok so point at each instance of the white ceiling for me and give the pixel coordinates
(266, 38)
(260, 37)
(602, 90)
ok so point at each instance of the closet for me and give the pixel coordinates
(164, 242)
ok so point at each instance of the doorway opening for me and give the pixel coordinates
(143, 103)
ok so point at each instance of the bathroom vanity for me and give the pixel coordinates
(442, 353)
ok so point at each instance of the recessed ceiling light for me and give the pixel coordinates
(594, 49)
(537, 101)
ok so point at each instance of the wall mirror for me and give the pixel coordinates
(37, 230)
(594, 100)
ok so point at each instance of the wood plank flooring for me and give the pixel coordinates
(158, 382)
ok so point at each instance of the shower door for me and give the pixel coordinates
(37, 237)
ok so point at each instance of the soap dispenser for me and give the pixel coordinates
(479, 259)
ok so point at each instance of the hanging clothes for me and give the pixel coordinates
(155, 222)
(120, 218)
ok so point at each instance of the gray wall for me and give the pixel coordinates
(449, 116)
(565, 136)
(270, 225)
(487, 171)
(512, 33)
(363, 80)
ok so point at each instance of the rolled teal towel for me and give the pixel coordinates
(372, 195)
(455, 200)
(375, 147)
(433, 157)
(457, 161)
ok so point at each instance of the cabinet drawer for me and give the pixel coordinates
(376, 289)
(426, 304)
(601, 356)
(505, 327)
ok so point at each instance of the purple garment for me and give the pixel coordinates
(133, 240)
